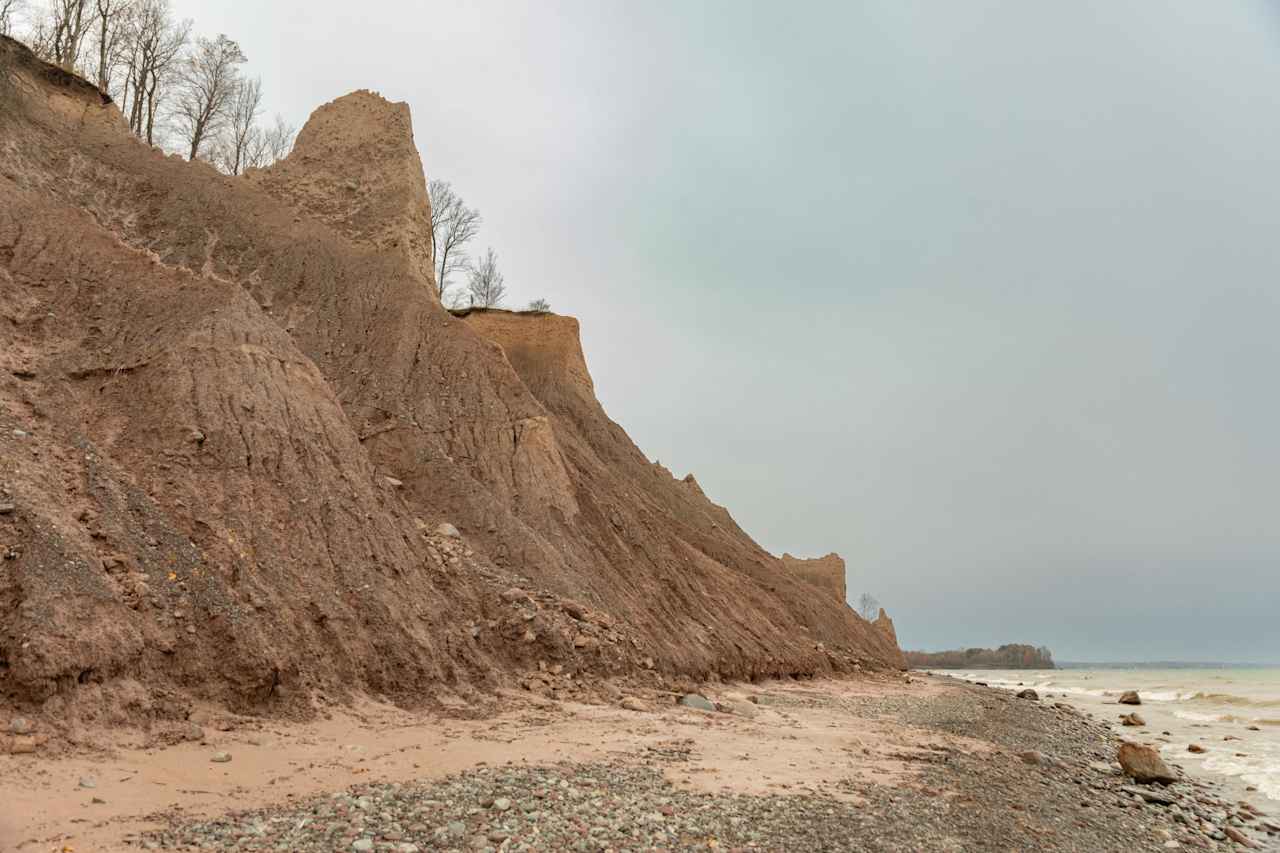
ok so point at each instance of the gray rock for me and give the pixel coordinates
(502, 804)
(221, 757)
(362, 844)
(693, 700)
(21, 726)
(1150, 795)
(447, 530)
(88, 782)
(741, 709)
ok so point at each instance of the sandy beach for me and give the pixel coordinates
(878, 763)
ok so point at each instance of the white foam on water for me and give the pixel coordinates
(1261, 772)
(1199, 718)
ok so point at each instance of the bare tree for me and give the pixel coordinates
(280, 138)
(59, 33)
(9, 10)
(485, 282)
(236, 147)
(109, 38)
(539, 306)
(453, 225)
(868, 607)
(209, 81)
(155, 43)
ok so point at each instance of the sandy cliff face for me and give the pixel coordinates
(232, 411)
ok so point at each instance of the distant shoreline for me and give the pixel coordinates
(1163, 665)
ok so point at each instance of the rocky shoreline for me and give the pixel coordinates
(986, 770)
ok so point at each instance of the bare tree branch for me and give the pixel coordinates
(9, 10)
(868, 607)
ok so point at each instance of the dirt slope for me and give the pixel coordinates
(232, 413)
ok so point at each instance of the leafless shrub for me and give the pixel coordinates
(485, 283)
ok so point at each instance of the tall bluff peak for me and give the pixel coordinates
(825, 572)
(355, 167)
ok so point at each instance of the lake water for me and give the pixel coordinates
(1233, 712)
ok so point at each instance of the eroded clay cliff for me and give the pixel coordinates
(233, 412)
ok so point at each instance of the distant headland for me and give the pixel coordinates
(1011, 656)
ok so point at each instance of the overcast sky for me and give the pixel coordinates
(981, 295)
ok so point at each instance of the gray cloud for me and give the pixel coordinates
(983, 296)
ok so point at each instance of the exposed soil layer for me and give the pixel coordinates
(233, 416)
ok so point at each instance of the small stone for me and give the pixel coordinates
(741, 709)
(1132, 720)
(693, 700)
(21, 726)
(1239, 837)
(1130, 697)
(631, 703)
(447, 530)
(7, 507)
(393, 482)
(576, 609)
(88, 782)
(362, 844)
(1029, 694)
(515, 595)
(1032, 756)
(1150, 795)
(221, 757)
(585, 642)
(1196, 748)
(502, 804)
(23, 745)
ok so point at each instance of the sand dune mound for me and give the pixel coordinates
(233, 414)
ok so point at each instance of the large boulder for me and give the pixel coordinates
(1144, 764)
(1130, 697)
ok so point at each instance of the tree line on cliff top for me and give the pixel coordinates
(188, 93)
(176, 89)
